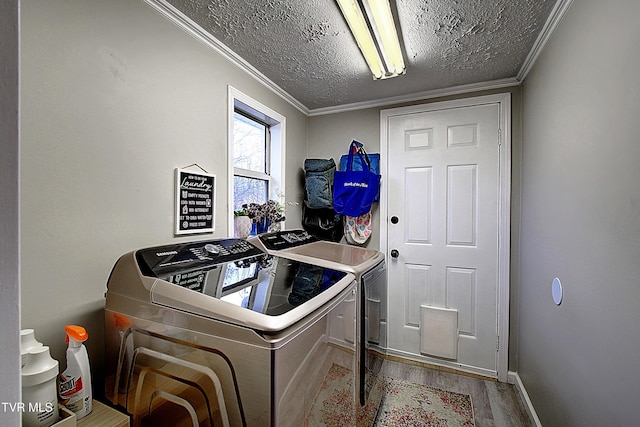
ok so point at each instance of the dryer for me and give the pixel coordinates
(369, 269)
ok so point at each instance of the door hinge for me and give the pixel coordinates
(499, 137)
(498, 343)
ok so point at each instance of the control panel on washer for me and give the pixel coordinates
(286, 239)
(180, 258)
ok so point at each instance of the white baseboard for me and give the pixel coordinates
(436, 363)
(514, 378)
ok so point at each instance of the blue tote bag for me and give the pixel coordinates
(354, 191)
(373, 160)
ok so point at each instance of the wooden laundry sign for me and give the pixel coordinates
(195, 202)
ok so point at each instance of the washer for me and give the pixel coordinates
(222, 332)
(369, 268)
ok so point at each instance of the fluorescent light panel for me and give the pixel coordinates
(381, 49)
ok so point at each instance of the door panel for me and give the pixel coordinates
(418, 181)
(461, 205)
(443, 185)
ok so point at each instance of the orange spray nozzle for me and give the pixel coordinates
(78, 333)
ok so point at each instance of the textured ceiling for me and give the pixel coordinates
(305, 47)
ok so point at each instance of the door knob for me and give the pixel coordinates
(394, 253)
(394, 219)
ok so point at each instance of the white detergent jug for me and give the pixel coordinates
(27, 342)
(39, 395)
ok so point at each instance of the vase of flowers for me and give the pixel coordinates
(267, 217)
(241, 223)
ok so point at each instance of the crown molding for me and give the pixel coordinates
(184, 22)
(418, 96)
(199, 33)
(557, 13)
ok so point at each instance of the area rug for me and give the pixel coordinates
(403, 404)
(408, 404)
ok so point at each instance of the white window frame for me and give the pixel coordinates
(275, 156)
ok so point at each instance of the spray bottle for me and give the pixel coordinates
(75, 382)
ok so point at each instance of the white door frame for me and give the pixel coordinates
(504, 200)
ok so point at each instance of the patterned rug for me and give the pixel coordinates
(403, 404)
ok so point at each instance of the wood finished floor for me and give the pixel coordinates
(495, 404)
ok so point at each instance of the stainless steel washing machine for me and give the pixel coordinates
(220, 332)
(368, 267)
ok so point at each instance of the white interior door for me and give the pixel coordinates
(443, 206)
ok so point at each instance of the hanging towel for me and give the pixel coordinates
(357, 229)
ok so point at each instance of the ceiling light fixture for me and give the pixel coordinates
(371, 24)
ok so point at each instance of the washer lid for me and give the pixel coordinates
(281, 294)
(352, 256)
(299, 245)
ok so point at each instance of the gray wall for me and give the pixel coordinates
(9, 212)
(114, 97)
(581, 220)
(330, 136)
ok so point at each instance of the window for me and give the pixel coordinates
(250, 160)
(256, 153)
